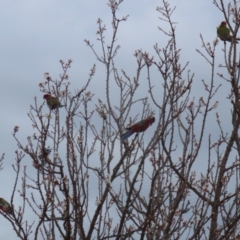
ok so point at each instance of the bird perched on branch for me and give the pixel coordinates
(223, 33)
(138, 127)
(5, 206)
(52, 102)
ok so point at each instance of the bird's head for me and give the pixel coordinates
(46, 96)
(223, 24)
(152, 120)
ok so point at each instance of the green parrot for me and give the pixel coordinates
(5, 206)
(223, 33)
(52, 102)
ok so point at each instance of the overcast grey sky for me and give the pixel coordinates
(37, 34)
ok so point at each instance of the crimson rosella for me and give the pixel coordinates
(52, 102)
(138, 127)
(5, 206)
(223, 33)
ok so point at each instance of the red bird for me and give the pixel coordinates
(138, 127)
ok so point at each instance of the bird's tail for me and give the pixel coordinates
(231, 39)
(126, 135)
